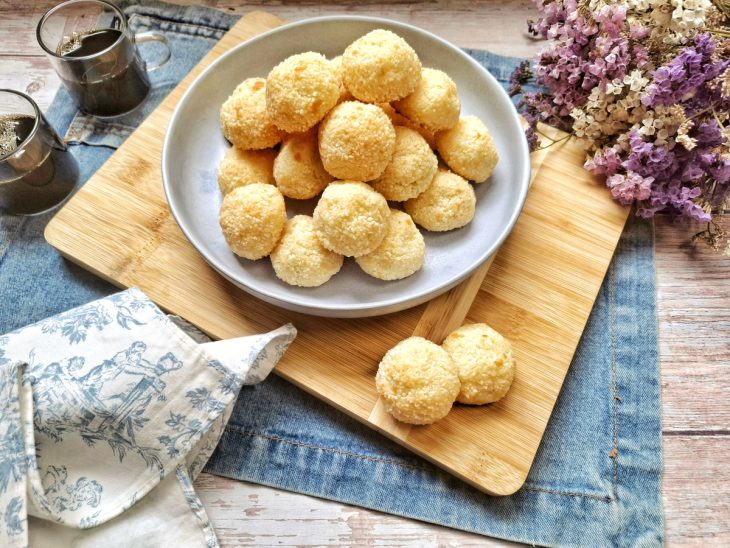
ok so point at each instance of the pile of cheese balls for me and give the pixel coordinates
(419, 381)
(360, 130)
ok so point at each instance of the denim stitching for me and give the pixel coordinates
(240, 431)
(614, 392)
(602, 498)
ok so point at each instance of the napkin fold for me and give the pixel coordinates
(108, 402)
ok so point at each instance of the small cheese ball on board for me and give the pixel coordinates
(356, 141)
(242, 167)
(468, 149)
(417, 381)
(484, 361)
(300, 259)
(351, 218)
(380, 67)
(298, 169)
(447, 204)
(301, 90)
(252, 218)
(244, 119)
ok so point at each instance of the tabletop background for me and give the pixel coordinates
(693, 297)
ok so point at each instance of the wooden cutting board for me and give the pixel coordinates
(538, 292)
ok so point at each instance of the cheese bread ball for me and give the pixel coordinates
(468, 149)
(417, 381)
(483, 359)
(401, 252)
(411, 169)
(298, 170)
(447, 204)
(301, 90)
(242, 167)
(434, 103)
(252, 218)
(351, 218)
(300, 259)
(380, 67)
(244, 119)
(356, 141)
(345, 95)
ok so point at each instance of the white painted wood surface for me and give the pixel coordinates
(694, 322)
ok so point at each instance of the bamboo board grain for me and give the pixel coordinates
(538, 292)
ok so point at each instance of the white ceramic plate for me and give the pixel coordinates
(194, 146)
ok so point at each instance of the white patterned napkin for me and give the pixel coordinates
(107, 414)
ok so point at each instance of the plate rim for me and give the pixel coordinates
(367, 308)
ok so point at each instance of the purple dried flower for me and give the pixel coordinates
(679, 161)
(630, 187)
(520, 76)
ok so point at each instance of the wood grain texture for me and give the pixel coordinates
(694, 382)
(539, 293)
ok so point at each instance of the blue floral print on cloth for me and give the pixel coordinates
(104, 404)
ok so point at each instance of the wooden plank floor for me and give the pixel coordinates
(694, 321)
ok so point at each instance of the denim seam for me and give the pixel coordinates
(175, 23)
(614, 393)
(241, 432)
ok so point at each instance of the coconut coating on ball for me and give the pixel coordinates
(298, 169)
(401, 252)
(351, 218)
(447, 204)
(484, 361)
(411, 169)
(244, 119)
(300, 259)
(242, 167)
(301, 90)
(356, 141)
(434, 103)
(252, 218)
(417, 381)
(468, 149)
(380, 67)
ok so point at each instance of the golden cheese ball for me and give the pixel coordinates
(434, 103)
(298, 169)
(351, 218)
(417, 381)
(468, 149)
(380, 67)
(356, 141)
(252, 218)
(401, 252)
(300, 259)
(244, 119)
(447, 204)
(242, 167)
(345, 95)
(484, 361)
(411, 169)
(301, 90)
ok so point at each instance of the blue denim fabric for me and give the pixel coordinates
(596, 478)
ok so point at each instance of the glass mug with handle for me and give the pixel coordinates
(37, 172)
(92, 49)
